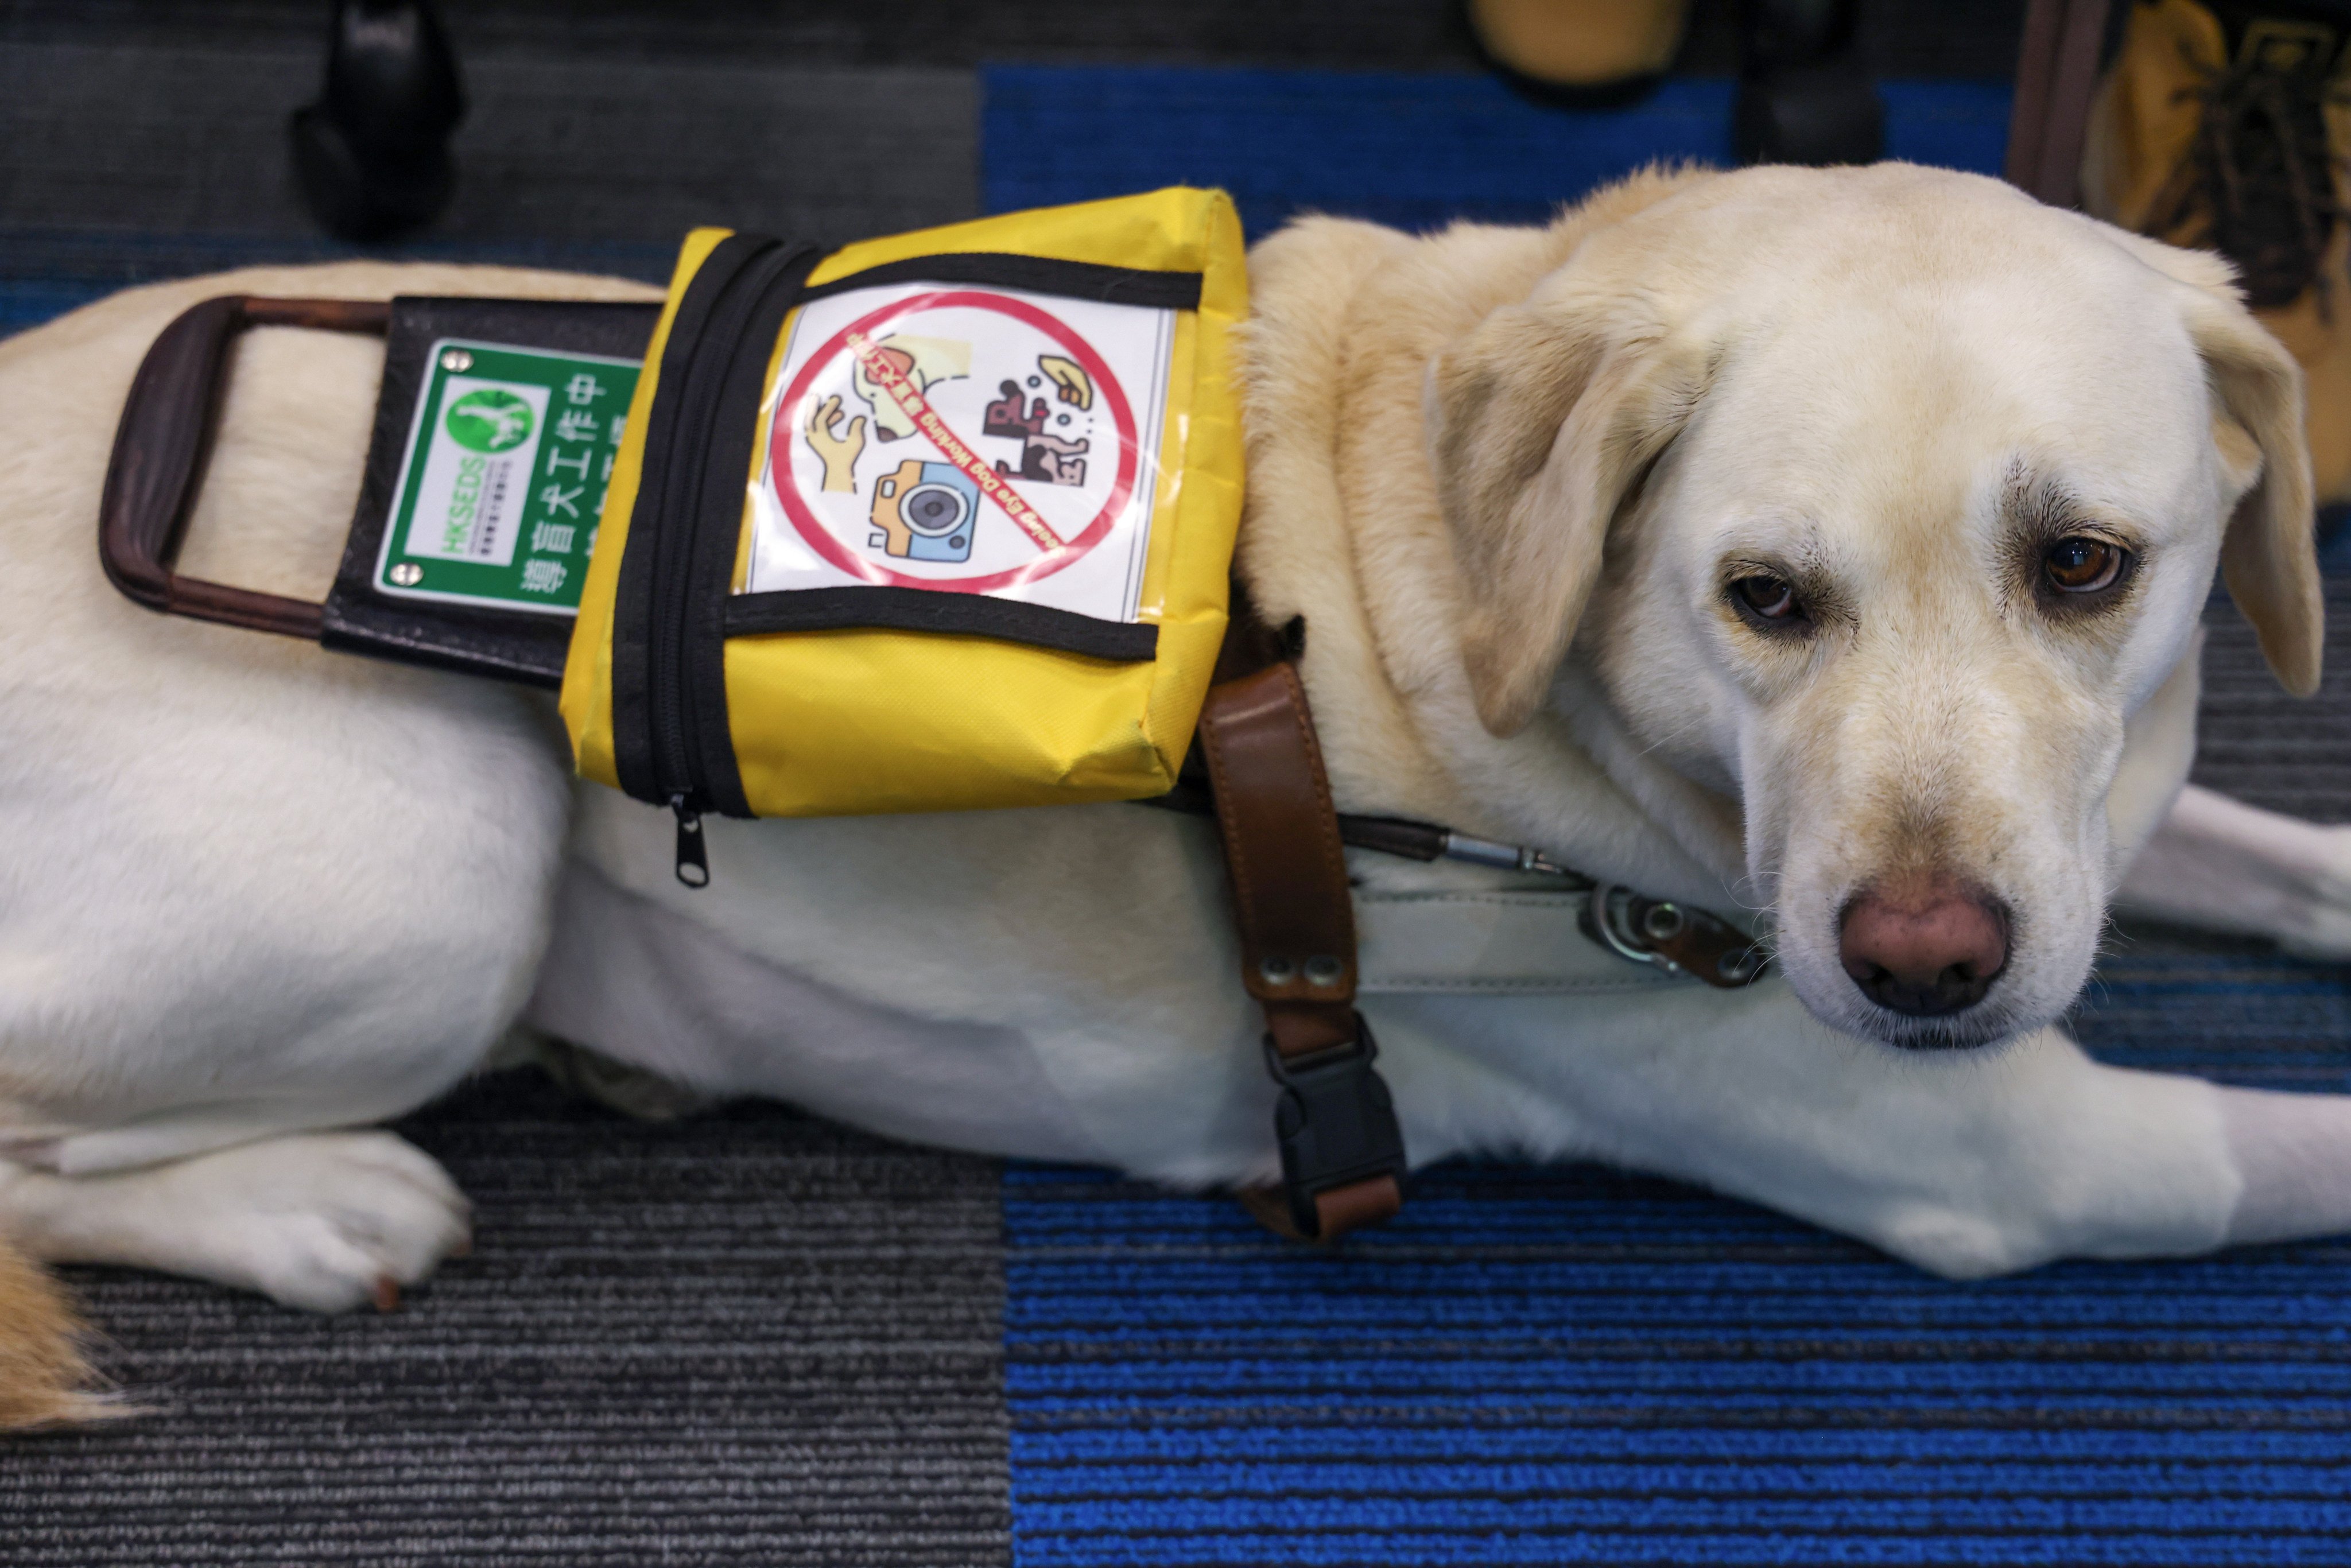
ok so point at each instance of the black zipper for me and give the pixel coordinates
(670, 584)
(731, 353)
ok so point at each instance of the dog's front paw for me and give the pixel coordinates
(2323, 932)
(1957, 1246)
(327, 1221)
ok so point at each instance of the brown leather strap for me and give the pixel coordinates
(1343, 1158)
(1289, 870)
(1336, 1211)
(2056, 76)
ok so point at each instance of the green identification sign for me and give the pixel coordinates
(503, 477)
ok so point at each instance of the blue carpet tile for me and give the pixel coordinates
(1416, 151)
(1572, 1365)
(2238, 1012)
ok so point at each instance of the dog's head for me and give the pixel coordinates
(1877, 501)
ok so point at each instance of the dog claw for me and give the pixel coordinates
(387, 1294)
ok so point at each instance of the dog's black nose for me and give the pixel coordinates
(1935, 952)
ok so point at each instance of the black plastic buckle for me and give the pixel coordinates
(1334, 1121)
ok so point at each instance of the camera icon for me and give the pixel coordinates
(924, 511)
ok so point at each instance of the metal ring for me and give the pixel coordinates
(1604, 921)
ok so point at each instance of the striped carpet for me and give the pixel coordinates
(758, 1339)
(1566, 1366)
(753, 1339)
(1578, 1367)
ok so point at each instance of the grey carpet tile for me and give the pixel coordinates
(1407, 34)
(184, 138)
(46, 273)
(1912, 38)
(2256, 743)
(752, 1338)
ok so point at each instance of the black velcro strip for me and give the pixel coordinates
(1037, 273)
(925, 610)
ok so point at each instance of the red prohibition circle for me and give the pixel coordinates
(785, 431)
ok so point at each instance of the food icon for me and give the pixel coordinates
(1070, 382)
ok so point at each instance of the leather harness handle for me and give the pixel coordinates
(1343, 1155)
(160, 447)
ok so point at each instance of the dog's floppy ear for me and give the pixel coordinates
(1541, 422)
(2268, 558)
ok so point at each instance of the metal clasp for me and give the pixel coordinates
(1502, 856)
(1633, 928)
(1609, 918)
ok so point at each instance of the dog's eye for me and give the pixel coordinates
(1768, 598)
(2078, 565)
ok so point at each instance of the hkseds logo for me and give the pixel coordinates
(489, 420)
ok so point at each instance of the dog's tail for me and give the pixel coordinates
(44, 1380)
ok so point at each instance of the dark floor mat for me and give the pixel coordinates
(752, 1338)
(1915, 39)
(611, 150)
(590, 165)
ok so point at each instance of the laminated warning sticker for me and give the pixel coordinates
(503, 479)
(964, 439)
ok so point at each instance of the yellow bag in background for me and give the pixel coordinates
(933, 522)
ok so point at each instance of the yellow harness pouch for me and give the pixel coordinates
(934, 522)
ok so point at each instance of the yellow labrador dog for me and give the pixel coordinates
(1821, 548)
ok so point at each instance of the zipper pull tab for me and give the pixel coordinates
(693, 856)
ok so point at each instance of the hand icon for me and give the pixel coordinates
(838, 449)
